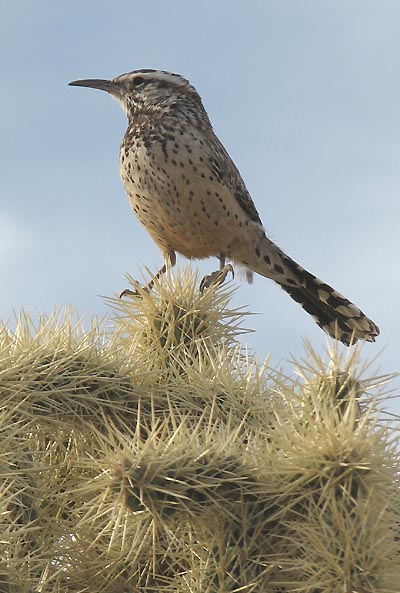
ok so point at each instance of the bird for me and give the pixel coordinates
(189, 195)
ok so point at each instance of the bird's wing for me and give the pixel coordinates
(227, 173)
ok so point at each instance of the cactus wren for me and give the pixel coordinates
(186, 191)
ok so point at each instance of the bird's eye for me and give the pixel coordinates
(138, 81)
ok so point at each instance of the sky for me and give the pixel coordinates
(305, 96)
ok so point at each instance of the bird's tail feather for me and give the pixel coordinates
(334, 313)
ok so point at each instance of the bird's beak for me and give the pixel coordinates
(103, 85)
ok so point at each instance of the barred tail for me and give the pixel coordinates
(335, 314)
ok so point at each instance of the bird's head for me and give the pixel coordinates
(147, 91)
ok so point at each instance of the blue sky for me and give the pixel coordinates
(305, 96)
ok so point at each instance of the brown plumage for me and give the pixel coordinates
(186, 191)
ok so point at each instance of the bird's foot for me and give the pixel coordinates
(137, 293)
(217, 277)
(129, 292)
(147, 288)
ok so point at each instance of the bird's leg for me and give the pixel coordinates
(148, 287)
(219, 276)
(169, 259)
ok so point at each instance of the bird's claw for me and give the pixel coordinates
(216, 278)
(147, 288)
(129, 292)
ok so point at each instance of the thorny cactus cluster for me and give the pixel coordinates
(154, 454)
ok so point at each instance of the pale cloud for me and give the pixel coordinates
(15, 239)
(304, 96)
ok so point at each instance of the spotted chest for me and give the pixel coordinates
(177, 195)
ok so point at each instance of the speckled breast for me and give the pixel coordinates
(177, 197)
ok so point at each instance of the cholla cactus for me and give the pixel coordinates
(154, 454)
